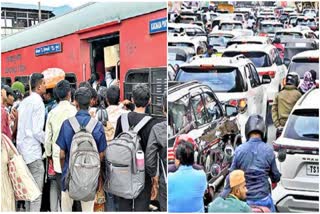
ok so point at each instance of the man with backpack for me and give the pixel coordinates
(82, 142)
(156, 158)
(132, 133)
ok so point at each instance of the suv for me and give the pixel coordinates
(235, 80)
(267, 60)
(298, 158)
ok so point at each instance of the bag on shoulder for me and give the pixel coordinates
(102, 116)
(84, 163)
(125, 161)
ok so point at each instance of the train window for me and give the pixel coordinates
(6, 80)
(72, 78)
(156, 78)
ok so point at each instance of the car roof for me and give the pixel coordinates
(178, 91)
(308, 100)
(250, 47)
(305, 17)
(230, 21)
(307, 54)
(271, 22)
(183, 25)
(184, 39)
(218, 62)
(215, 32)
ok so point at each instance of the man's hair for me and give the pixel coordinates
(73, 91)
(62, 89)
(94, 93)
(141, 95)
(35, 80)
(164, 101)
(113, 95)
(84, 84)
(185, 153)
(83, 97)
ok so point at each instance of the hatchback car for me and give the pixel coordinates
(297, 150)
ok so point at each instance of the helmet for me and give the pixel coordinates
(255, 123)
(277, 40)
(184, 137)
(292, 79)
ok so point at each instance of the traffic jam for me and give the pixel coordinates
(243, 82)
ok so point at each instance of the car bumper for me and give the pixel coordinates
(294, 200)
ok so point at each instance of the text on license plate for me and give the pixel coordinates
(312, 169)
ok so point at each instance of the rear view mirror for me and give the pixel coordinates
(231, 110)
(286, 61)
(266, 79)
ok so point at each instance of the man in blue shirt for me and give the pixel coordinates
(82, 101)
(256, 158)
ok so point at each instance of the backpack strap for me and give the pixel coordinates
(125, 122)
(74, 124)
(90, 126)
(142, 123)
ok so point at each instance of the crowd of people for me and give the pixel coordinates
(63, 135)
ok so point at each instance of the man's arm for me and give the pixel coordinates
(37, 124)
(62, 158)
(48, 137)
(118, 129)
(275, 175)
(275, 114)
(151, 153)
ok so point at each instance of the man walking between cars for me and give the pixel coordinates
(256, 158)
(30, 134)
(285, 101)
(79, 133)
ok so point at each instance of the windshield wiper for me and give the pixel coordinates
(311, 135)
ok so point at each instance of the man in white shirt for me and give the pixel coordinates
(56, 116)
(30, 134)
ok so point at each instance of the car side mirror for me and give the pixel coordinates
(266, 79)
(231, 110)
(282, 154)
(286, 61)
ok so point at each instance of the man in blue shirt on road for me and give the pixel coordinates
(82, 100)
(256, 158)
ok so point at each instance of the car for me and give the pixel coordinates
(229, 25)
(297, 150)
(305, 61)
(185, 29)
(218, 39)
(267, 60)
(299, 32)
(309, 12)
(307, 21)
(185, 41)
(249, 40)
(269, 28)
(179, 55)
(264, 18)
(234, 80)
(195, 110)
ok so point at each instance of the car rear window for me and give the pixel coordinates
(302, 65)
(230, 26)
(259, 59)
(303, 124)
(270, 28)
(219, 40)
(289, 35)
(306, 22)
(219, 80)
(243, 42)
(180, 44)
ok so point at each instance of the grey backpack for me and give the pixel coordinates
(123, 177)
(84, 162)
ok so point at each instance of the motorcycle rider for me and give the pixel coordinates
(284, 102)
(256, 158)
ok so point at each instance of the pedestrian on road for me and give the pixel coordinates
(256, 158)
(285, 101)
(30, 134)
(308, 82)
(232, 199)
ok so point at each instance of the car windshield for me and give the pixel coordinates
(270, 28)
(178, 115)
(239, 17)
(303, 125)
(220, 80)
(180, 44)
(219, 40)
(230, 26)
(259, 59)
(301, 67)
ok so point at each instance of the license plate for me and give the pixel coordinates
(312, 169)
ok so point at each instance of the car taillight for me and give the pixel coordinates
(313, 59)
(272, 74)
(206, 66)
(241, 104)
(263, 34)
(295, 149)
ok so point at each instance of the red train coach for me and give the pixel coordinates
(76, 41)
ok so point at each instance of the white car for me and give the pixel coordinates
(269, 28)
(218, 39)
(305, 61)
(249, 40)
(299, 32)
(267, 60)
(185, 29)
(230, 25)
(298, 158)
(234, 80)
(185, 41)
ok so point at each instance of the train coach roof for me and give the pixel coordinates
(85, 16)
